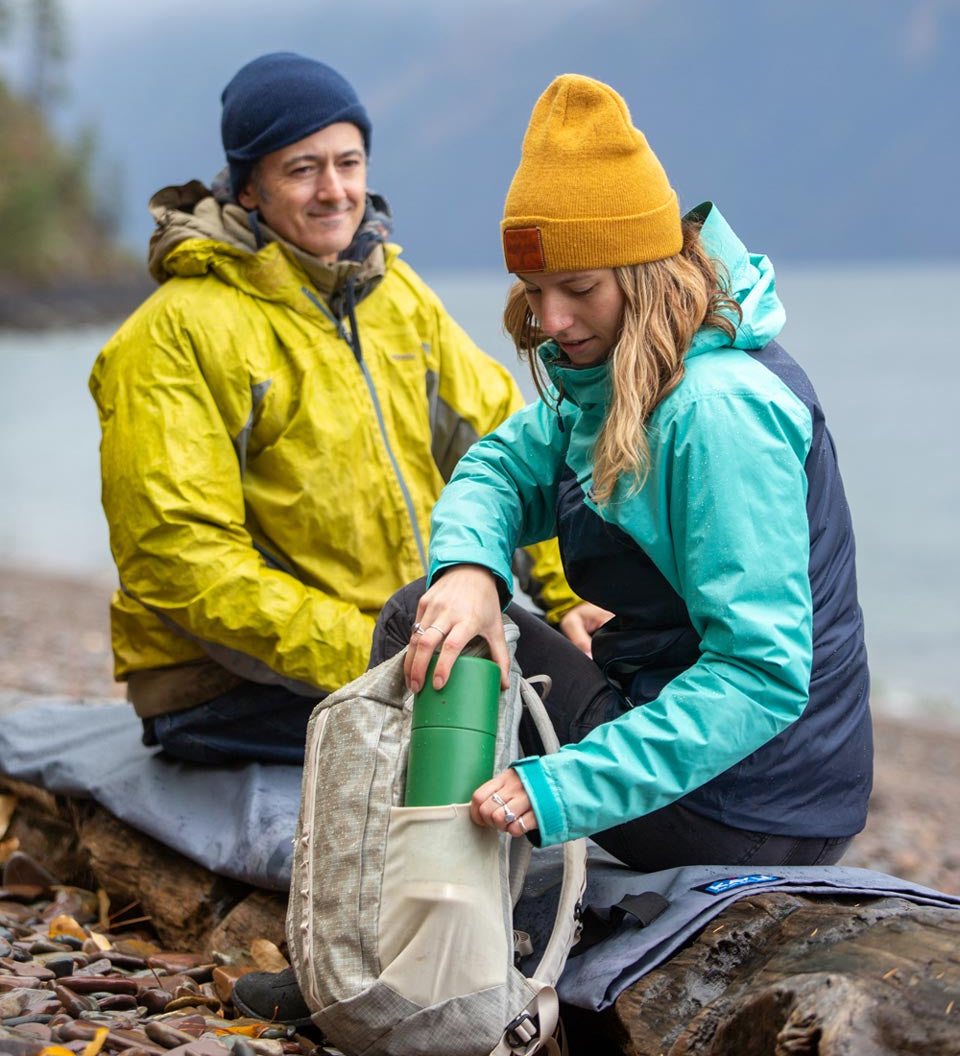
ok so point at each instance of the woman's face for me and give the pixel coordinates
(581, 310)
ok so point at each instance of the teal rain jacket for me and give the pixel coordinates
(723, 518)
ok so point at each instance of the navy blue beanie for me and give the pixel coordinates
(278, 99)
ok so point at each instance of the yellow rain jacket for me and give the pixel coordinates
(267, 488)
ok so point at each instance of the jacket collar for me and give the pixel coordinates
(193, 212)
(586, 387)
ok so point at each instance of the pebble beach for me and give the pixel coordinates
(55, 640)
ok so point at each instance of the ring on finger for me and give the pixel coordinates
(523, 828)
(500, 802)
(417, 629)
(508, 816)
(434, 627)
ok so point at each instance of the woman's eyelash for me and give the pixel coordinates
(576, 293)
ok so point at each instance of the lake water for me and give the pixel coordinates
(879, 344)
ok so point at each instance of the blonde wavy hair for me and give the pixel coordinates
(666, 303)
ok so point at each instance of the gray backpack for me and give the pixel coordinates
(400, 920)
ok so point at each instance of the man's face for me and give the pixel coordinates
(313, 192)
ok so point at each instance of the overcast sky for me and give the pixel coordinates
(749, 103)
(96, 15)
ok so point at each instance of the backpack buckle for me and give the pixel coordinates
(578, 925)
(519, 1034)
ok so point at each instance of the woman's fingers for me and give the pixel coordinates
(525, 823)
(499, 653)
(461, 605)
(464, 632)
(424, 642)
(502, 803)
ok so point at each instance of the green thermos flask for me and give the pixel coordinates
(454, 734)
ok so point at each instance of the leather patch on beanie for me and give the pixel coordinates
(523, 249)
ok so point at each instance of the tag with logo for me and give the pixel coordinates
(729, 883)
(523, 249)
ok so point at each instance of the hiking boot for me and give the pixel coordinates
(271, 996)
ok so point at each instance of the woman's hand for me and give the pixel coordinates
(502, 803)
(462, 604)
(581, 621)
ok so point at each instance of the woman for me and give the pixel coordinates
(682, 459)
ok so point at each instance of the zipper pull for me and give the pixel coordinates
(342, 332)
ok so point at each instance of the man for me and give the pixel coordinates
(278, 419)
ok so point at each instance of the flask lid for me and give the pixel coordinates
(470, 699)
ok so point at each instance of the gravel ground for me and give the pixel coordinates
(55, 639)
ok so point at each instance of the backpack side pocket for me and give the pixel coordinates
(442, 930)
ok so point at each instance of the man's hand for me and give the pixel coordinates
(581, 621)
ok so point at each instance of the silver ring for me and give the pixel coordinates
(434, 627)
(417, 629)
(496, 799)
(508, 816)
(523, 828)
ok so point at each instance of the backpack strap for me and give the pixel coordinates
(566, 927)
(644, 907)
(521, 851)
(532, 1031)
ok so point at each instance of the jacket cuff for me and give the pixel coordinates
(504, 587)
(556, 612)
(548, 809)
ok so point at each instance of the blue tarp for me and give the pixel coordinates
(239, 821)
(236, 820)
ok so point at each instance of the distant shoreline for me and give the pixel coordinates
(73, 301)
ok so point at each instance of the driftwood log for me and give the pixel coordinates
(775, 974)
(189, 907)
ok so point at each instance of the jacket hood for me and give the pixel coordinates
(750, 281)
(191, 211)
(199, 230)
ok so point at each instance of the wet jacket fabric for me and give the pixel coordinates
(269, 468)
(738, 637)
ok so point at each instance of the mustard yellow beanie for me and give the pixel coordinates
(589, 191)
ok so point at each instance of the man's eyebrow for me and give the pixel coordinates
(299, 158)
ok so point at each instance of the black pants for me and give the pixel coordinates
(582, 699)
(252, 721)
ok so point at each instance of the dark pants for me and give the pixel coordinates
(251, 722)
(580, 700)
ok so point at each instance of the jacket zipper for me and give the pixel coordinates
(353, 342)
